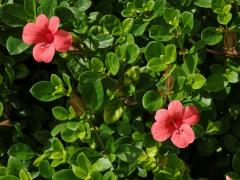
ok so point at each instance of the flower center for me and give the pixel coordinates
(176, 122)
(49, 37)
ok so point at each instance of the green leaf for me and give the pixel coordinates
(190, 64)
(97, 64)
(127, 24)
(128, 153)
(231, 143)
(1, 108)
(152, 101)
(154, 49)
(159, 7)
(64, 174)
(93, 94)
(10, 73)
(188, 21)
(44, 91)
(112, 63)
(160, 33)
(218, 4)
(56, 80)
(46, 169)
(109, 22)
(109, 176)
(83, 5)
(211, 36)
(14, 166)
(132, 53)
(197, 81)
(65, 14)
(82, 169)
(216, 82)
(104, 40)
(170, 54)
(30, 8)
(69, 135)
(112, 112)
(16, 46)
(25, 175)
(21, 71)
(236, 162)
(224, 19)
(16, 19)
(124, 128)
(60, 113)
(156, 65)
(48, 6)
(21, 151)
(203, 3)
(9, 177)
(138, 27)
(101, 165)
(89, 76)
(57, 129)
(214, 127)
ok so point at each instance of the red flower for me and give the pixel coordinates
(47, 38)
(176, 123)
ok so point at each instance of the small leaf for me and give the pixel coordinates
(156, 65)
(48, 6)
(81, 170)
(101, 165)
(211, 36)
(152, 101)
(93, 94)
(46, 169)
(112, 63)
(112, 112)
(64, 174)
(216, 82)
(197, 81)
(60, 113)
(15, 46)
(160, 33)
(83, 5)
(154, 49)
(16, 19)
(30, 8)
(44, 91)
(128, 153)
(132, 53)
(159, 7)
(21, 151)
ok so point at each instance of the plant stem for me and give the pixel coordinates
(80, 108)
(97, 135)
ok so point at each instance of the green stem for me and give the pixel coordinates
(97, 135)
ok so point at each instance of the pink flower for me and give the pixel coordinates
(47, 38)
(228, 177)
(175, 122)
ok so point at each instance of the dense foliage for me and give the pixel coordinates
(88, 113)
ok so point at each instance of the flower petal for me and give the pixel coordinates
(162, 115)
(183, 136)
(43, 52)
(62, 40)
(175, 108)
(54, 24)
(32, 34)
(161, 132)
(190, 115)
(42, 22)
